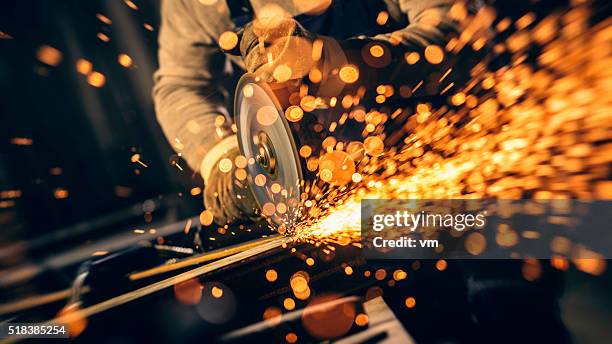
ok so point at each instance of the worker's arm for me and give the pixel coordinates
(430, 27)
(188, 94)
(190, 104)
(429, 23)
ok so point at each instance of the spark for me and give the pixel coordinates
(96, 79)
(10, 193)
(382, 18)
(49, 55)
(104, 19)
(60, 193)
(410, 302)
(417, 86)
(271, 275)
(131, 4)
(103, 37)
(22, 141)
(187, 226)
(84, 66)
(501, 137)
(447, 87)
(136, 159)
(125, 60)
(349, 74)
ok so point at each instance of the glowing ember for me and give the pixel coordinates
(294, 113)
(49, 55)
(500, 136)
(206, 218)
(410, 302)
(84, 66)
(228, 40)
(225, 165)
(96, 79)
(349, 74)
(125, 60)
(271, 275)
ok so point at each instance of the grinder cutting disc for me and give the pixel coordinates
(264, 137)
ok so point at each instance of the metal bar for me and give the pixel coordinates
(37, 300)
(168, 282)
(202, 258)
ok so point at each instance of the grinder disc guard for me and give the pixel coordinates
(273, 169)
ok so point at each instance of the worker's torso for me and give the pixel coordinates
(342, 19)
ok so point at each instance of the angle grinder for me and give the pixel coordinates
(264, 137)
(270, 144)
(287, 160)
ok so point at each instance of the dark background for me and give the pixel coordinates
(83, 137)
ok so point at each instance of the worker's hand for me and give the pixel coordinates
(277, 49)
(228, 198)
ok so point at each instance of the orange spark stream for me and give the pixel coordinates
(538, 130)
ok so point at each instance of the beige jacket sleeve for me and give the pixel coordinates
(188, 92)
(428, 25)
